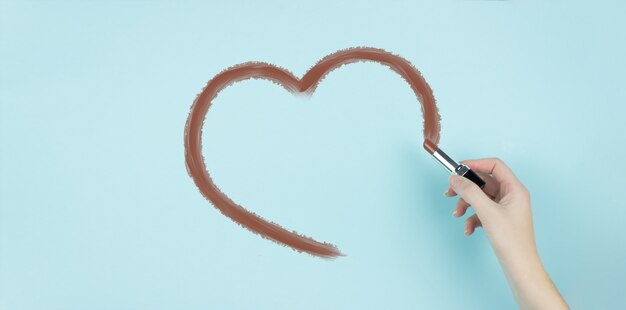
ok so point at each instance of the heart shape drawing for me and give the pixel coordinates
(306, 85)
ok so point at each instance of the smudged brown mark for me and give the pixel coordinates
(257, 70)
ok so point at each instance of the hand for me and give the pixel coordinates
(503, 211)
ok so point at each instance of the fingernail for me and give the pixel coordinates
(455, 212)
(445, 193)
(466, 232)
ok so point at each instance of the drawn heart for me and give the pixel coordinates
(307, 85)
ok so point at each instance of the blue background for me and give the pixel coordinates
(97, 210)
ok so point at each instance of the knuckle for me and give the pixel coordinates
(471, 189)
(466, 184)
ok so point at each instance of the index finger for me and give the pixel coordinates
(494, 166)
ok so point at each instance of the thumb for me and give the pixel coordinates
(470, 192)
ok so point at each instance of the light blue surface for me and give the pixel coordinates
(97, 210)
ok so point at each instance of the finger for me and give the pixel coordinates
(494, 166)
(449, 192)
(461, 208)
(491, 187)
(471, 193)
(471, 223)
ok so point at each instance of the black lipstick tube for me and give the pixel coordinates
(458, 169)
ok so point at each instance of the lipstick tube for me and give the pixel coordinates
(452, 166)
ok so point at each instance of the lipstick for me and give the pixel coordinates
(451, 165)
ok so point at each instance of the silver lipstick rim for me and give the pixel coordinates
(445, 160)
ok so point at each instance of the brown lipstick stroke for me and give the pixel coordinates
(306, 85)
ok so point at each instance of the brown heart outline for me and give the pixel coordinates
(307, 85)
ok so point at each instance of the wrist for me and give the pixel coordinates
(519, 265)
(529, 281)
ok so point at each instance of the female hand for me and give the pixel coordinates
(503, 210)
